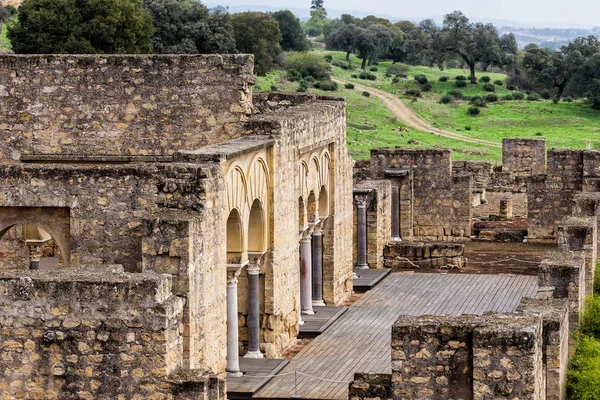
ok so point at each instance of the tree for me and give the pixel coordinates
(82, 26)
(343, 39)
(186, 26)
(258, 33)
(292, 34)
(471, 42)
(582, 57)
(315, 26)
(316, 5)
(547, 69)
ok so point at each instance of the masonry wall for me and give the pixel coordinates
(441, 202)
(121, 339)
(524, 157)
(579, 234)
(135, 105)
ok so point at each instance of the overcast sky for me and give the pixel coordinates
(576, 13)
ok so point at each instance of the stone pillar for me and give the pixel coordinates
(253, 310)
(306, 274)
(317, 268)
(35, 253)
(361, 237)
(396, 213)
(233, 350)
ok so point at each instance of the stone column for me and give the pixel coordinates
(317, 267)
(35, 253)
(233, 350)
(253, 310)
(361, 237)
(396, 213)
(306, 274)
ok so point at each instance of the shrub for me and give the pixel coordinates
(413, 92)
(533, 97)
(388, 75)
(597, 283)
(395, 80)
(293, 76)
(478, 102)
(328, 86)
(274, 88)
(367, 76)
(488, 87)
(467, 128)
(426, 87)
(355, 76)
(328, 58)
(422, 79)
(545, 94)
(485, 79)
(444, 78)
(445, 99)
(373, 69)
(457, 94)
(473, 111)
(518, 95)
(349, 86)
(461, 83)
(568, 99)
(460, 78)
(491, 98)
(498, 83)
(308, 64)
(590, 325)
(508, 97)
(302, 86)
(584, 370)
(316, 85)
(366, 94)
(511, 87)
(398, 69)
(342, 64)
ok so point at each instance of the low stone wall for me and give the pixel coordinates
(371, 387)
(524, 157)
(579, 234)
(411, 255)
(90, 333)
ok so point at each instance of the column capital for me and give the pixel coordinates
(233, 272)
(306, 234)
(361, 200)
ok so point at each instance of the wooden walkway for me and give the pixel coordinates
(368, 278)
(316, 324)
(360, 340)
(255, 371)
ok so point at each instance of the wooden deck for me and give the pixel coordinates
(256, 372)
(316, 324)
(368, 279)
(359, 341)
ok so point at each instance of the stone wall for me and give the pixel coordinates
(370, 386)
(120, 104)
(379, 222)
(579, 234)
(524, 157)
(121, 339)
(468, 357)
(419, 255)
(441, 202)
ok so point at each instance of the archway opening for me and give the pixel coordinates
(301, 213)
(234, 238)
(256, 228)
(312, 208)
(323, 202)
(28, 246)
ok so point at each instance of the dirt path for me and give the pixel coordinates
(407, 116)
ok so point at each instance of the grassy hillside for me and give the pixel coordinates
(370, 124)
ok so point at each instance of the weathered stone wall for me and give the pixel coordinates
(379, 221)
(419, 255)
(524, 157)
(441, 203)
(468, 357)
(121, 339)
(371, 386)
(120, 104)
(565, 271)
(579, 234)
(480, 171)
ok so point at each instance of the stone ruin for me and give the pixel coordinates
(178, 203)
(522, 355)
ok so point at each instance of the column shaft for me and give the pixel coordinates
(317, 269)
(253, 313)
(361, 239)
(233, 363)
(306, 276)
(395, 213)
